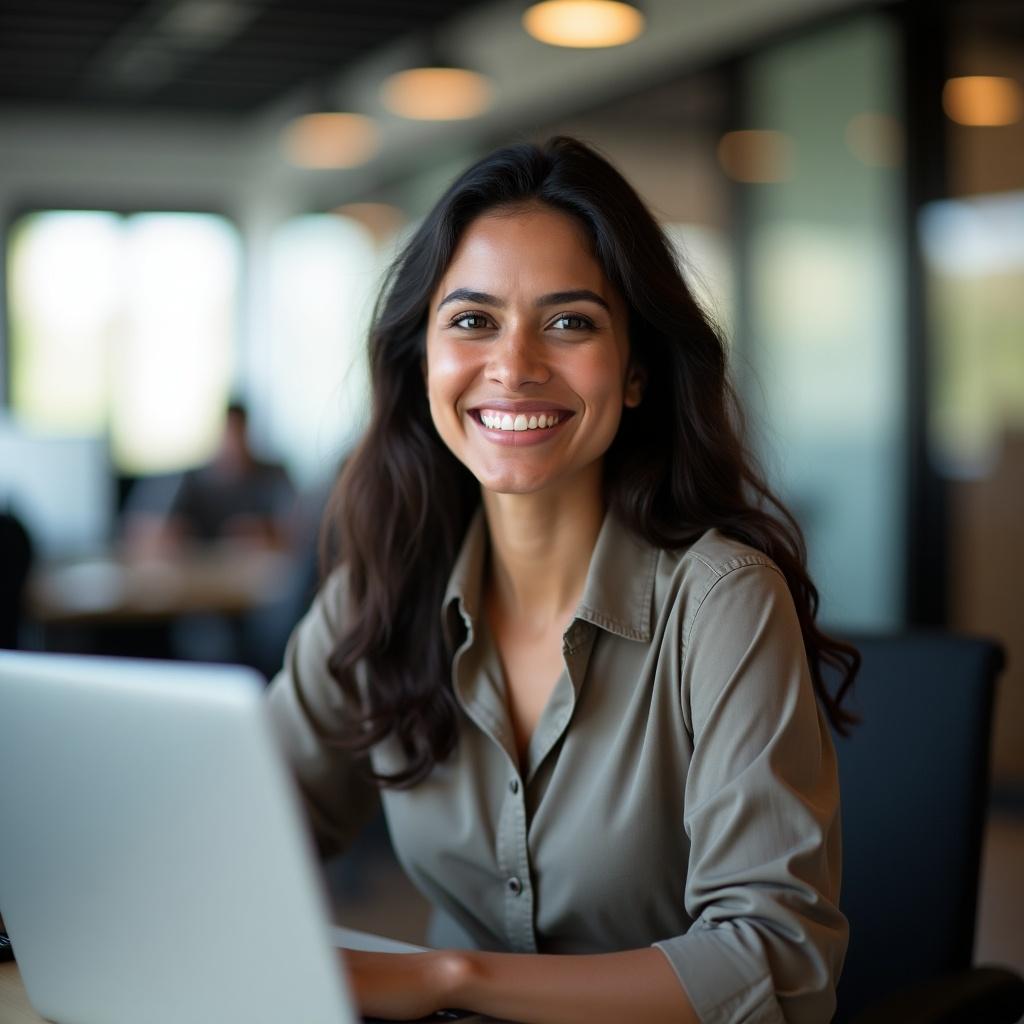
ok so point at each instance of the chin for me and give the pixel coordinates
(513, 483)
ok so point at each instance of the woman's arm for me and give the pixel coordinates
(305, 706)
(529, 988)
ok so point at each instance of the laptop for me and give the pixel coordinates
(155, 863)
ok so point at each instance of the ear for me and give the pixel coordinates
(636, 381)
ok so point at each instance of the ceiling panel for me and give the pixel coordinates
(214, 56)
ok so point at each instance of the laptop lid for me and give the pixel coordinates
(154, 862)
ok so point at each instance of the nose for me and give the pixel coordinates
(517, 359)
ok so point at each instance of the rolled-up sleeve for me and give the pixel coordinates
(762, 813)
(306, 704)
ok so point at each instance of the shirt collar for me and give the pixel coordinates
(465, 584)
(618, 594)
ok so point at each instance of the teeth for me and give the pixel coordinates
(505, 421)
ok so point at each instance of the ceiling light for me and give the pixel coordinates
(756, 157)
(983, 101)
(382, 220)
(326, 141)
(584, 23)
(437, 94)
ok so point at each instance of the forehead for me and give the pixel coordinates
(523, 246)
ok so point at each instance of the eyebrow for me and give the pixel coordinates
(551, 299)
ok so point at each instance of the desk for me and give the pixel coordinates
(14, 1006)
(111, 590)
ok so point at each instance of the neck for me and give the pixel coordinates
(541, 546)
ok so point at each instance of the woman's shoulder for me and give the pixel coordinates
(333, 593)
(716, 562)
(321, 624)
(712, 556)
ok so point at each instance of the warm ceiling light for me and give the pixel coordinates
(325, 141)
(584, 23)
(756, 157)
(983, 101)
(382, 220)
(875, 139)
(437, 94)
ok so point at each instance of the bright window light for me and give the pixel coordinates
(124, 326)
(325, 271)
(974, 256)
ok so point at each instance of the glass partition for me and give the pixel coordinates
(974, 261)
(818, 162)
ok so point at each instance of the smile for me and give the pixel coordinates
(497, 420)
(520, 430)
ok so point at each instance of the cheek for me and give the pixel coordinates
(599, 382)
(448, 374)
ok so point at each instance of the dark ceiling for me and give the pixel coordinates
(211, 56)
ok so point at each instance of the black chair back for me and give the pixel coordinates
(914, 780)
(15, 562)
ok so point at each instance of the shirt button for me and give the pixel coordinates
(514, 786)
(515, 886)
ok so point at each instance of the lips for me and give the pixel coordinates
(525, 406)
(520, 423)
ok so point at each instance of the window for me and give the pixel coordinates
(124, 326)
(309, 366)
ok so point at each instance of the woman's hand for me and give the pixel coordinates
(605, 988)
(400, 986)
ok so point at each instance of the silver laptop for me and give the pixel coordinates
(154, 861)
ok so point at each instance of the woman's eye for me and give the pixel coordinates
(571, 322)
(470, 321)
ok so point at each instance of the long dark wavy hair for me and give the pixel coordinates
(677, 466)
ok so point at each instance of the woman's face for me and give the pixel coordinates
(527, 362)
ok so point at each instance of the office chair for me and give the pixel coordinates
(15, 563)
(914, 781)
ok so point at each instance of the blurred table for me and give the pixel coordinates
(14, 1005)
(228, 579)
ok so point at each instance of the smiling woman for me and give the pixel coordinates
(509, 349)
(570, 617)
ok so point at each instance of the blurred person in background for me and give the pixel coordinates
(571, 644)
(210, 521)
(235, 497)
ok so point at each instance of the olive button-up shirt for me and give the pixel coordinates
(680, 787)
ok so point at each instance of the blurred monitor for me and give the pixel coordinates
(61, 488)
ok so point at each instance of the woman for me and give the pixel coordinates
(572, 644)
